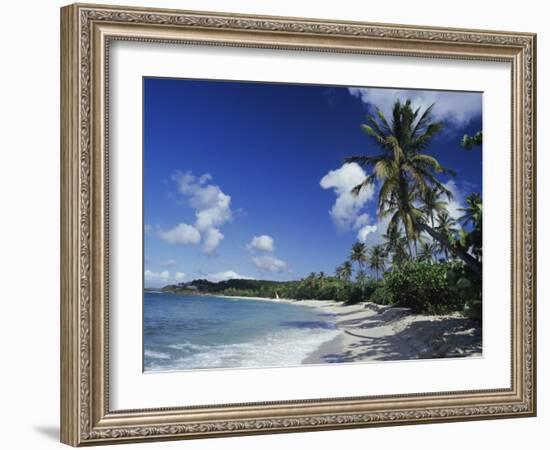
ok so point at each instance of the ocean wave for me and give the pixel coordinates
(276, 349)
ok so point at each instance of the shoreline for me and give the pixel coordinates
(373, 332)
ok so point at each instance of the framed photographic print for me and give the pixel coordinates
(275, 225)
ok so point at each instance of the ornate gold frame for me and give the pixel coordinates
(86, 31)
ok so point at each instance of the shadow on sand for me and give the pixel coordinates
(446, 337)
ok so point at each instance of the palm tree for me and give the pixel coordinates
(446, 226)
(347, 270)
(432, 204)
(396, 246)
(427, 251)
(361, 277)
(359, 254)
(402, 168)
(392, 207)
(473, 211)
(473, 215)
(377, 258)
(405, 172)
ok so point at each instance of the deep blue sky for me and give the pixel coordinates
(267, 147)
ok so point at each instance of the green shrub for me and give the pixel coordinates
(431, 288)
(355, 294)
(370, 286)
(327, 292)
(466, 286)
(381, 296)
(342, 294)
(473, 309)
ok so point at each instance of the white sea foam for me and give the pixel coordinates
(189, 347)
(155, 354)
(277, 349)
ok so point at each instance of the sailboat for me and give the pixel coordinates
(277, 296)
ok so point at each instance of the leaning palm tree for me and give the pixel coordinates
(405, 172)
(359, 254)
(377, 259)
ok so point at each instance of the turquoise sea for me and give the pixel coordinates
(200, 332)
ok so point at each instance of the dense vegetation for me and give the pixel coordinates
(315, 286)
(428, 260)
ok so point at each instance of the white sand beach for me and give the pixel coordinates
(372, 332)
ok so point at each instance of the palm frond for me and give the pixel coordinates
(364, 160)
(383, 122)
(369, 180)
(378, 126)
(397, 151)
(388, 188)
(384, 169)
(423, 140)
(423, 121)
(380, 139)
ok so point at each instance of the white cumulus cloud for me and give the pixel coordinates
(181, 234)
(268, 263)
(457, 202)
(263, 243)
(156, 276)
(372, 233)
(212, 210)
(346, 209)
(212, 238)
(162, 278)
(364, 232)
(457, 108)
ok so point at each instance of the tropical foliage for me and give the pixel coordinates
(469, 142)
(410, 188)
(430, 260)
(314, 286)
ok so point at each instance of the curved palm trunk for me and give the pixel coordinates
(468, 259)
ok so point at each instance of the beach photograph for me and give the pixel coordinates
(297, 224)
